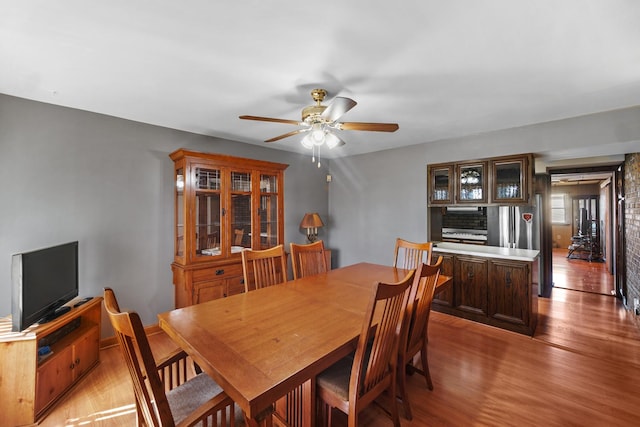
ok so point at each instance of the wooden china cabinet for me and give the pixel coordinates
(223, 204)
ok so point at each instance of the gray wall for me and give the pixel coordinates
(108, 183)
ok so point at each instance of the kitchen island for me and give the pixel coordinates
(493, 285)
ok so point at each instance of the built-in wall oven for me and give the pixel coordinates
(464, 235)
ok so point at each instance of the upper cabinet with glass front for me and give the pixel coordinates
(471, 179)
(500, 180)
(511, 179)
(440, 184)
(223, 204)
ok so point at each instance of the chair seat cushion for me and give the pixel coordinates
(336, 378)
(187, 397)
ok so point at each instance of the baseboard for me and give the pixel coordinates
(112, 341)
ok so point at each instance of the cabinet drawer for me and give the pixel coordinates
(215, 273)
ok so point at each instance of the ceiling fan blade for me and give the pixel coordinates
(271, 119)
(286, 135)
(337, 108)
(376, 127)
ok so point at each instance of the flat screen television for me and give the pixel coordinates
(43, 280)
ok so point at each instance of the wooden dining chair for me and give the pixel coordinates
(409, 255)
(264, 268)
(414, 334)
(165, 395)
(354, 382)
(308, 260)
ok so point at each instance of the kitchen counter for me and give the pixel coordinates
(491, 284)
(486, 251)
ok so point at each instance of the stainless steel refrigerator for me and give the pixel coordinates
(518, 227)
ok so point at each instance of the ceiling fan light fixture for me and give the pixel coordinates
(331, 140)
(317, 134)
(307, 141)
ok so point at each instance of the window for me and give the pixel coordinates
(559, 209)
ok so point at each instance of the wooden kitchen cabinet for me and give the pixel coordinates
(512, 179)
(471, 182)
(445, 296)
(441, 181)
(30, 385)
(470, 284)
(499, 180)
(496, 291)
(510, 292)
(223, 204)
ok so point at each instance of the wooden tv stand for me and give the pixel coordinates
(29, 386)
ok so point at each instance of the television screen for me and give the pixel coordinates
(42, 281)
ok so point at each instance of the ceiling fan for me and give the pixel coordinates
(319, 121)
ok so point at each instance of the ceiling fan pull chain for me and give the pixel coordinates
(318, 157)
(313, 154)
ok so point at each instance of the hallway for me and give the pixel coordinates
(581, 275)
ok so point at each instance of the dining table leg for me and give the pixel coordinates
(266, 421)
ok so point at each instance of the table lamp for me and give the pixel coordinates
(311, 222)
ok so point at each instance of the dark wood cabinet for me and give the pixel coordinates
(223, 204)
(440, 186)
(499, 180)
(509, 290)
(471, 182)
(512, 179)
(470, 284)
(445, 296)
(496, 291)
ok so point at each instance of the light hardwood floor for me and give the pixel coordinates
(582, 367)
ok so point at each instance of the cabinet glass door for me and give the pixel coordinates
(508, 181)
(472, 183)
(179, 213)
(240, 212)
(268, 211)
(441, 184)
(208, 212)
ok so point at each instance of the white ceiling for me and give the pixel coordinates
(440, 69)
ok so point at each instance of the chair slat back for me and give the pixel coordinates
(409, 255)
(139, 359)
(264, 267)
(308, 260)
(419, 305)
(374, 366)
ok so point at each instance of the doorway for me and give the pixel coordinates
(583, 226)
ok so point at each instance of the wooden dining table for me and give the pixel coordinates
(263, 345)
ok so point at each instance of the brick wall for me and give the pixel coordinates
(632, 225)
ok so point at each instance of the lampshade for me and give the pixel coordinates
(311, 220)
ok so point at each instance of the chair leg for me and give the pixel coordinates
(425, 365)
(394, 403)
(402, 387)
